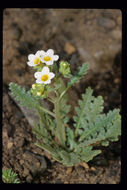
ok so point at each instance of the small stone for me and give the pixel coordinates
(9, 145)
(85, 165)
(29, 179)
(93, 169)
(87, 176)
(25, 172)
(4, 134)
(116, 34)
(21, 161)
(38, 164)
(106, 23)
(10, 130)
(69, 48)
(17, 32)
(69, 170)
(116, 81)
(20, 142)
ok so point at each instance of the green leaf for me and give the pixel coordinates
(24, 98)
(84, 111)
(77, 76)
(91, 125)
(9, 176)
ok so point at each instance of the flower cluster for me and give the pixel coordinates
(42, 60)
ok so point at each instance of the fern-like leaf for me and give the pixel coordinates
(24, 98)
(92, 126)
(81, 72)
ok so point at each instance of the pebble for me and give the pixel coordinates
(4, 134)
(69, 170)
(116, 81)
(10, 130)
(20, 142)
(85, 165)
(93, 169)
(36, 163)
(17, 32)
(9, 145)
(116, 34)
(25, 172)
(69, 48)
(29, 178)
(21, 162)
(106, 23)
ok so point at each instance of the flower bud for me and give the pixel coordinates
(64, 68)
(37, 89)
(40, 90)
(39, 93)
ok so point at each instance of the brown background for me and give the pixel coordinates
(76, 35)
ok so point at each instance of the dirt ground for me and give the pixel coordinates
(27, 30)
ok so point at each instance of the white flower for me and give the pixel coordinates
(44, 77)
(49, 57)
(35, 59)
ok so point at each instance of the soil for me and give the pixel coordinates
(32, 164)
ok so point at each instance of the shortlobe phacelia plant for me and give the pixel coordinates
(67, 144)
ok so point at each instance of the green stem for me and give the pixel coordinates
(64, 92)
(60, 126)
(42, 119)
(47, 111)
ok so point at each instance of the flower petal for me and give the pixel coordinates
(51, 75)
(39, 81)
(30, 63)
(49, 62)
(47, 82)
(38, 74)
(55, 57)
(40, 53)
(31, 57)
(45, 70)
(50, 52)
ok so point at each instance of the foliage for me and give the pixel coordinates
(8, 176)
(67, 144)
(82, 70)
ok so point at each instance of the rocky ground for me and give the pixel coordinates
(77, 35)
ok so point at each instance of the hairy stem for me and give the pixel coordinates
(60, 126)
(63, 92)
(47, 111)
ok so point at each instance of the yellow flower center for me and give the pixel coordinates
(47, 58)
(44, 78)
(36, 60)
